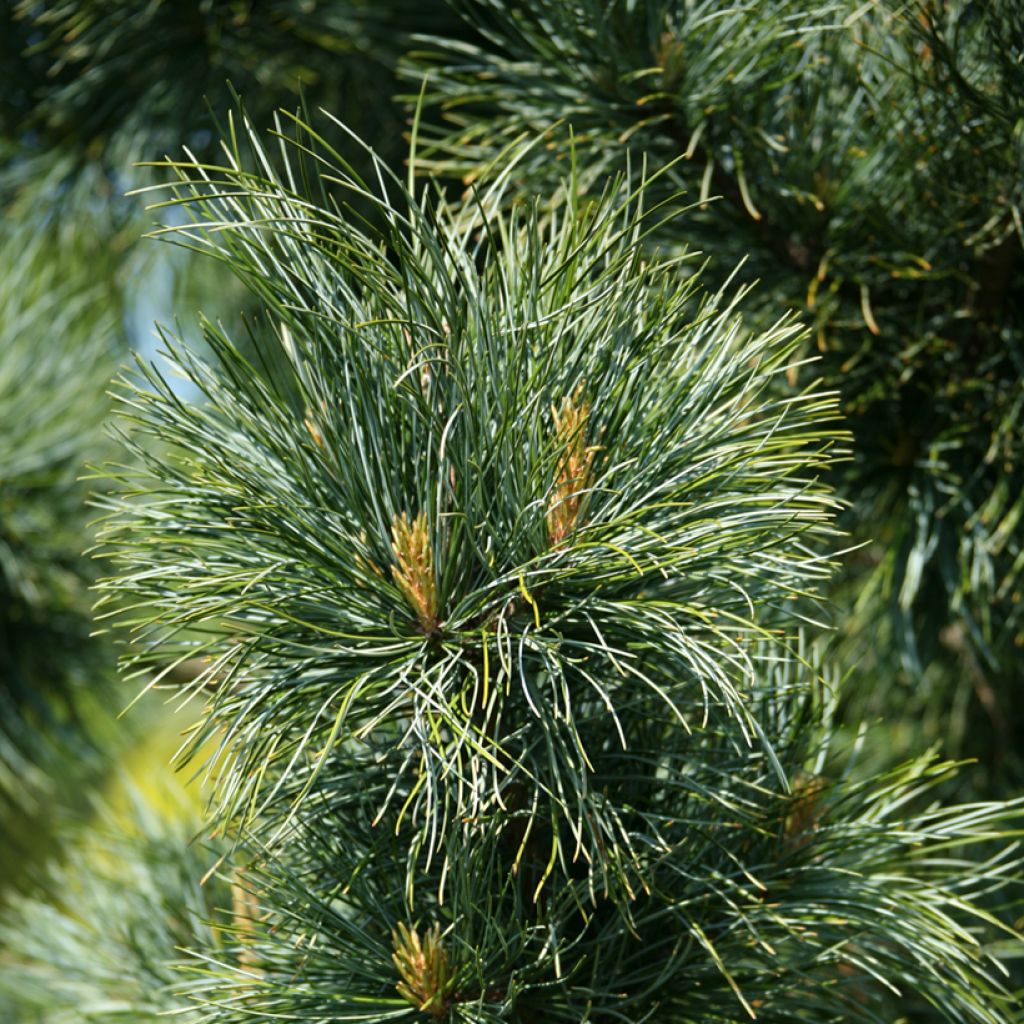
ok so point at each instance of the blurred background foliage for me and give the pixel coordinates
(865, 161)
(57, 339)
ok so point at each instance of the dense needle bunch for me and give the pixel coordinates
(865, 160)
(495, 545)
(530, 620)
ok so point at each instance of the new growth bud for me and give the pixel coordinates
(423, 966)
(413, 570)
(573, 473)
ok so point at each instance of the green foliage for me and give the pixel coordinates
(99, 945)
(833, 904)
(867, 158)
(56, 357)
(91, 90)
(499, 566)
(131, 80)
(425, 372)
(490, 545)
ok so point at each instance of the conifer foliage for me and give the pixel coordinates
(498, 549)
(131, 895)
(865, 160)
(491, 542)
(126, 81)
(50, 671)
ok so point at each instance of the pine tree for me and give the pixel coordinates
(491, 547)
(53, 676)
(500, 578)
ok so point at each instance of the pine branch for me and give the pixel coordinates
(257, 542)
(550, 767)
(864, 159)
